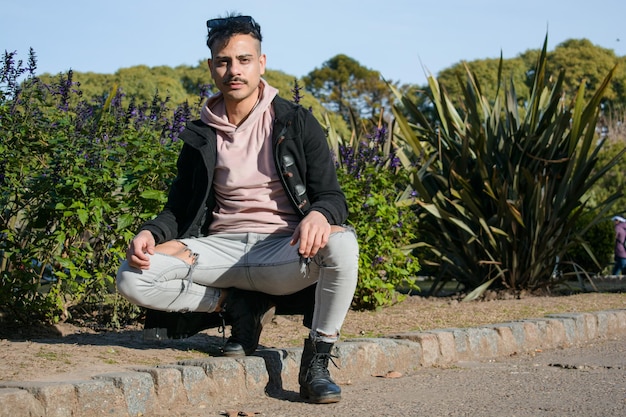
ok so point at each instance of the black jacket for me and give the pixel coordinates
(303, 161)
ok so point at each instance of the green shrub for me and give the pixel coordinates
(374, 182)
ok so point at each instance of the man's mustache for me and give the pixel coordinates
(236, 80)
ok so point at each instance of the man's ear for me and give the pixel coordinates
(262, 61)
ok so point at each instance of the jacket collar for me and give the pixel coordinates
(198, 134)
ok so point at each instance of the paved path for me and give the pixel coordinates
(585, 381)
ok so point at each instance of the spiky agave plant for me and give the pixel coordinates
(504, 183)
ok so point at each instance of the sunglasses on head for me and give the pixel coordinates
(213, 23)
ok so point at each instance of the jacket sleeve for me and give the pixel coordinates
(321, 177)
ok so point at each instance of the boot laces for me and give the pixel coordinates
(222, 328)
(319, 364)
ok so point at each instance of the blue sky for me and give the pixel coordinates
(403, 39)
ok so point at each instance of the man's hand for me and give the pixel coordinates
(312, 232)
(139, 247)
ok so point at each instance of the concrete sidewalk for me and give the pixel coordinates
(145, 390)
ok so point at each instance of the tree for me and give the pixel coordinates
(343, 85)
(486, 72)
(585, 62)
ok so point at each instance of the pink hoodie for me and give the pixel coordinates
(250, 196)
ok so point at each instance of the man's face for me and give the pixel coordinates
(237, 67)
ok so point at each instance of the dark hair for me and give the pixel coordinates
(223, 28)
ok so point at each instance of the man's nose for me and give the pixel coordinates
(234, 68)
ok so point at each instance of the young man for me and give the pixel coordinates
(255, 206)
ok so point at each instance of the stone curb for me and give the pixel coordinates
(144, 390)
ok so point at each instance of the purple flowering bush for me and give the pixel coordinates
(78, 175)
(374, 182)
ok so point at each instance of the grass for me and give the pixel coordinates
(53, 356)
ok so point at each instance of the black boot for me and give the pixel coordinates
(246, 311)
(316, 386)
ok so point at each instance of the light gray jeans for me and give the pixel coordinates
(248, 261)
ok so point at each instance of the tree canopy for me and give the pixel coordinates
(343, 85)
(582, 59)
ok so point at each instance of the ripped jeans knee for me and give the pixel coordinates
(167, 285)
(177, 249)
